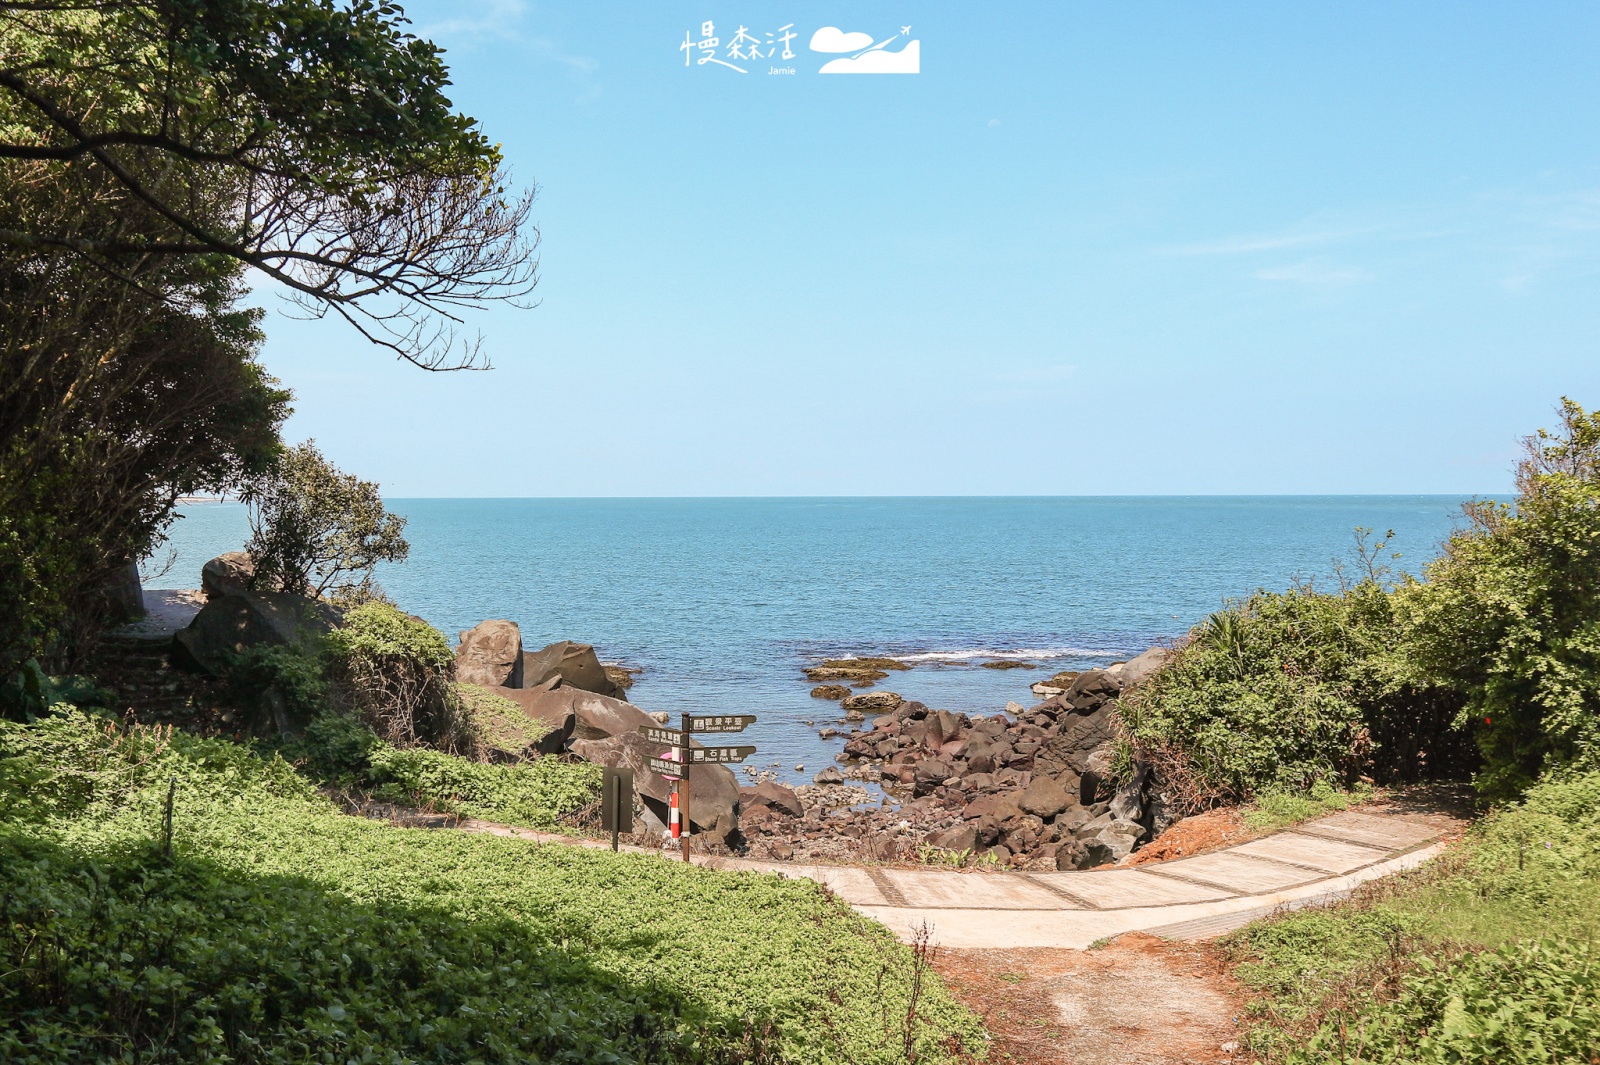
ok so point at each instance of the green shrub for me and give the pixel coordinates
(315, 529)
(298, 674)
(532, 794)
(1279, 692)
(1509, 616)
(283, 931)
(395, 671)
(499, 727)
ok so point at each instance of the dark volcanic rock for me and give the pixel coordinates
(230, 623)
(830, 691)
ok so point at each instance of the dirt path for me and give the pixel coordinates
(1137, 1001)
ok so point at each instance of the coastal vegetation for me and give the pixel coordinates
(1488, 663)
(265, 926)
(155, 157)
(1486, 954)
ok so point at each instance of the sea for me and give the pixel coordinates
(720, 603)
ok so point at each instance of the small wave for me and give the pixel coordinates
(1019, 654)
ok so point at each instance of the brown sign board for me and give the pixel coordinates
(658, 734)
(721, 723)
(666, 767)
(720, 755)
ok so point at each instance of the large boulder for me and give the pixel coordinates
(1091, 691)
(575, 663)
(560, 717)
(1138, 670)
(232, 622)
(230, 572)
(879, 701)
(1068, 751)
(490, 654)
(1108, 841)
(124, 595)
(771, 794)
(1046, 796)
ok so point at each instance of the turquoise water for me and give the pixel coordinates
(722, 601)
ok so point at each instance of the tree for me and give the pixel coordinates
(310, 141)
(151, 153)
(1510, 613)
(314, 528)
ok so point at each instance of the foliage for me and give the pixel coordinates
(1279, 809)
(499, 726)
(1281, 692)
(281, 925)
(309, 140)
(296, 673)
(1510, 614)
(395, 672)
(30, 692)
(1486, 954)
(533, 794)
(316, 529)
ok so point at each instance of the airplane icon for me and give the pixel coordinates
(906, 30)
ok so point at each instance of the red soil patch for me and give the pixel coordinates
(1202, 832)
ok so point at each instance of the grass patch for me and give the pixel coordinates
(1487, 954)
(497, 723)
(1280, 808)
(283, 931)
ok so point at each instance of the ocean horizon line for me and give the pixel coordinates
(1165, 497)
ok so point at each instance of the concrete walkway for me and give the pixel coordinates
(1185, 898)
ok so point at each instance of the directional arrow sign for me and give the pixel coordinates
(722, 723)
(656, 734)
(720, 755)
(666, 767)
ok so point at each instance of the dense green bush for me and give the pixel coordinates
(283, 931)
(1280, 692)
(1484, 955)
(396, 671)
(1509, 616)
(532, 794)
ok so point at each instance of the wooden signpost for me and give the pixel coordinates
(676, 763)
(616, 802)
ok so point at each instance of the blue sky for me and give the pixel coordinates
(1089, 249)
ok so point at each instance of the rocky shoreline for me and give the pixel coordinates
(1030, 788)
(1033, 788)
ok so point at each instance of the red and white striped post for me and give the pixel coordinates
(672, 814)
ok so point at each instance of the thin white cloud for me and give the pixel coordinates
(1245, 245)
(478, 18)
(1312, 272)
(832, 39)
(880, 61)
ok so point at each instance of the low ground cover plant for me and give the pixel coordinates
(1487, 954)
(284, 931)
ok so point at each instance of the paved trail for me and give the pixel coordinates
(1185, 898)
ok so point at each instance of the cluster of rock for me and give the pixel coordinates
(565, 686)
(1035, 789)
